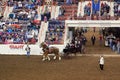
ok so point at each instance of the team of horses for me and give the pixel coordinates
(49, 50)
(54, 50)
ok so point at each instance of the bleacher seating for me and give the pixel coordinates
(23, 26)
(70, 11)
(55, 32)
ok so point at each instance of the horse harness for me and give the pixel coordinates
(45, 48)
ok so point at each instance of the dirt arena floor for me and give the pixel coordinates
(73, 68)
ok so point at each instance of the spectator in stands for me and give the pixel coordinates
(119, 10)
(115, 8)
(33, 40)
(87, 10)
(68, 1)
(45, 18)
(61, 11)
(105, 9)
(20, 5)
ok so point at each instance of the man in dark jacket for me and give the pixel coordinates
(93, 39)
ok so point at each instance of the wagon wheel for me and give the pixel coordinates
(67, 55)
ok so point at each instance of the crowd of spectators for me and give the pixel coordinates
(103, 14)
(105, 9)
(67, 2)
(68, 12)
(55, 32)
(24, 11)
(14, 32)
(22, 25)
(36, 2)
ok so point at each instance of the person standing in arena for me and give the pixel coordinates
(28, 49)
(101, 63)
(93, 39)
(100, 39)
(118, 46)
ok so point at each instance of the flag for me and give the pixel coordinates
(95, 5)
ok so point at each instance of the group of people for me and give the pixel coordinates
(77, 43)
(114, 44)
(21, 26)
(16, 33)
(55, 32)
(104, 12)
(24, 11)
(112, 38)
(105, 9)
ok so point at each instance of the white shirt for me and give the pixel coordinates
(118, 45)
(101, 60)
(119, 8)
(27, 49)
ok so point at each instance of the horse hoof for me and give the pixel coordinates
(59, 58)
(43, 59)
(48, 59)
(54, 57)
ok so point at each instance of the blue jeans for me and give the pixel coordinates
(113, 47)
(28, 54)
(118, 50)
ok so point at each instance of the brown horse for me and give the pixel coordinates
(49, 50)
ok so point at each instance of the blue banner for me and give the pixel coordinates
(95, 5)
